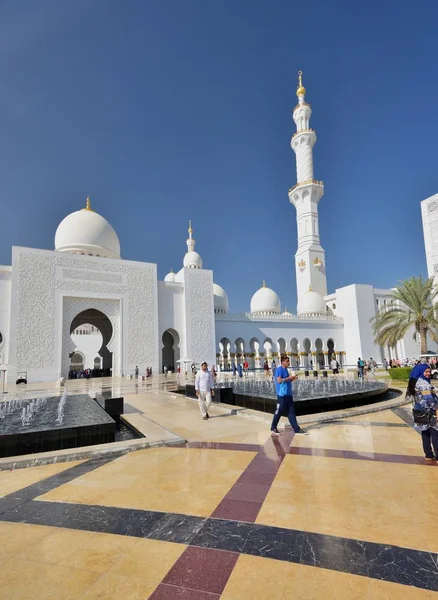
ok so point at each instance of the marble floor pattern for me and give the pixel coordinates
(348, 512)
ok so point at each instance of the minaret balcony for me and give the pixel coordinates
(307, 182)
(301, 105)
(302, 131)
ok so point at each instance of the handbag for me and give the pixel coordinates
(423, 416)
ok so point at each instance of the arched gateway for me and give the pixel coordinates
(170, 351)
(81, 315)
(102, 323)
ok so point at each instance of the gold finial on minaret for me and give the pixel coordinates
(301, 90)
(264, 283)
(190, 228)
(310, 288)
(88, 204)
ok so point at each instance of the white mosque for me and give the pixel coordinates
(81, 304)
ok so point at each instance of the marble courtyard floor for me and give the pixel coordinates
(348, 512)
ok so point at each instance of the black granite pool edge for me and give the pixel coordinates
(303, 407)
(386, 562)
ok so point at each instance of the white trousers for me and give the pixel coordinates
(204, 400)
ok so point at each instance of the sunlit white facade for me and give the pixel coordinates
(48, 296)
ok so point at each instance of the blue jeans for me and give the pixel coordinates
(285, 408)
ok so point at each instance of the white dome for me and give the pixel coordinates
(220, 299)
(192, 260)
(170, 277)
(86, 232)
(286, 313)
(265, 300)
(311, 303)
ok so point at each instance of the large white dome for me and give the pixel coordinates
(265, 300)
(220, 299)
(311, 303)
(192, 260)
(86, 232)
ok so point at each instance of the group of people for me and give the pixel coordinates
(80, 374)
(420, 391)
(268, 370)
(148, 372)
(88, 373)
(204, 388)
(393, 363)
(365, 366)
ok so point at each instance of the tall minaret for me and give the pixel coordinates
(305, 196)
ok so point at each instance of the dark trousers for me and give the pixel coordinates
(285, 408)
(429, 439)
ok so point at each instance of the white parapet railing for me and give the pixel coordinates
(268, 316)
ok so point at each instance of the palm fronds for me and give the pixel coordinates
(413, 305)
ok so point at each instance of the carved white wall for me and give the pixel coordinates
(33, 301)
(429, 213)
(199, 314)
(42, 279)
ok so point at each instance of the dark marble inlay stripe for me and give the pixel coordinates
(202, 569)
(172, 592)
(46, 485)
(245, 499)
(379, 561)
(169, 527)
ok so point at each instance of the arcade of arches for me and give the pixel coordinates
(305, 353)
(91, 332)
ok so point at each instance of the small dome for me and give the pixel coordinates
(265, 300)
(170, 277)
(311, 303)
(86, 232)
(220, 299)
(286, 313)
(192, 260)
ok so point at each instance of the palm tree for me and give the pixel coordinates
(414, 306)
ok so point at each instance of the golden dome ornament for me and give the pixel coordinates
(301, 90)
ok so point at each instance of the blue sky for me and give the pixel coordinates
(177, 109)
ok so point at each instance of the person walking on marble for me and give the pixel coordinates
(204, 387)
(285, 403)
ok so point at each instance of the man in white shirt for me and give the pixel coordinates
(204, 385)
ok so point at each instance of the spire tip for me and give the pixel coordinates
(301, 90)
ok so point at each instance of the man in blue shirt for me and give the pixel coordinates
(285, 404)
